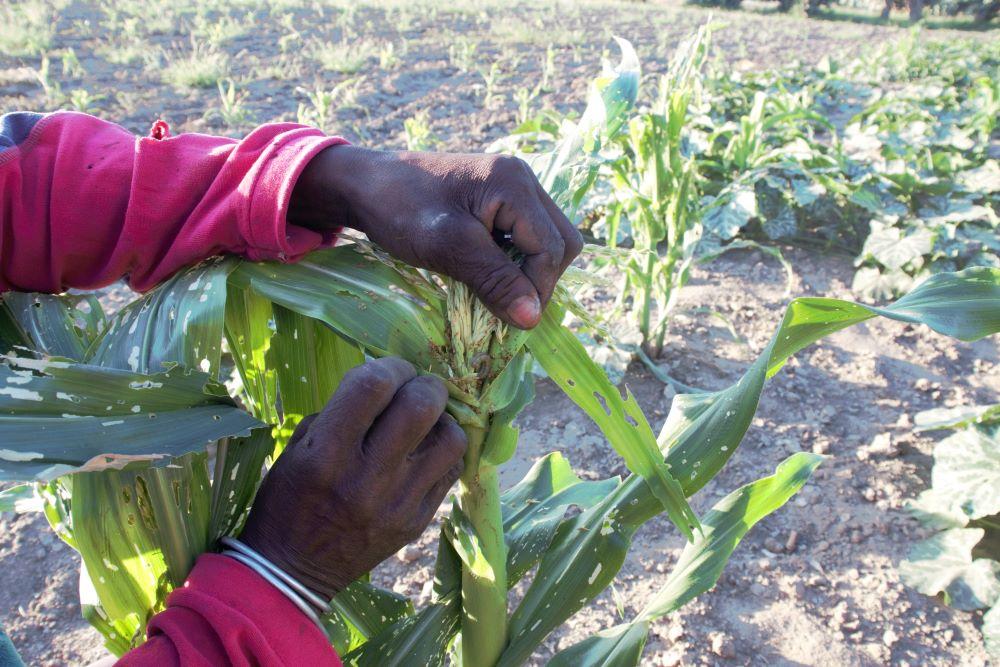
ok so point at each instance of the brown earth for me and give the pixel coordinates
(830, 596)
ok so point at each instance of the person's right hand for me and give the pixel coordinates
(359, 480)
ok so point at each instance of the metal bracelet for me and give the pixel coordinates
(323, 606)
(265, 574)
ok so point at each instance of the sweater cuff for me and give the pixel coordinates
(267, 232)
(221, 583)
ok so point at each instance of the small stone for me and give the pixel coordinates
(922, 384)
(856, 537)
(668, 393)
(673, 657)
(792, 543)
(904, 421)
(408, 554)
(757, 590)
(773, 545)
(722, 645)
(764, 564)
(869, 494)
(889, 637)
(675, 633)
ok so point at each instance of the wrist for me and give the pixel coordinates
(327, 193)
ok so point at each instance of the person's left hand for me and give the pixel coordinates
(443, 212)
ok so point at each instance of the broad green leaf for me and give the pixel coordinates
(967, 471)
(621, 420)
(138, 534)
(357, 295)
(702, 561)
(894, 249)
(700, 564)
(954, 418)
(620, 646)
(535, 506)
(8, 654)
(367, 610)
(731, 213)
(249, 326)
(239, 465)
(944, 564)
(421, 639)
(56, 326)
(964, 305)
(58, 417)
(991, 631)
(703, 430)
(180, 322)
(21, 498)
(310, 360)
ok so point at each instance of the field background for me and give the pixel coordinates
(814, 584)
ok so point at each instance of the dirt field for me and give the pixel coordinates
(815, 583)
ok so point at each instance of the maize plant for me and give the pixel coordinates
(141, 459)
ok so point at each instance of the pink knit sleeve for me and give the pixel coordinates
(83, 202)
(226, 614)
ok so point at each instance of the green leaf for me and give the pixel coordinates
(139, 533)
(56, 326)
(702, 431)
(180, 322)
(967, 471)
(991, 631)
(702, 561)
(957, 417)
(249, 327)
(239, 465)
(944, 564)
(421, 639)
(310, 360)
(734, 210)
(19, 499)
(621, 420)
(367, 610)
(894, 249)
(620, 646)
(359, 296)
(535, 506)
(58, 417)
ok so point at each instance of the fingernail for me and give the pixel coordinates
(525, 311)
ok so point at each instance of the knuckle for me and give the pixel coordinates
(496, 282)
(574, 244)
(373, 378)
(425, 397)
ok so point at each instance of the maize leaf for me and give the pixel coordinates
(700, 564)
(56, 326)
(138, 534)
(58, 417)
(703, 430)
(248, 328)
(621, 420)
(179, 322)
(358, 296)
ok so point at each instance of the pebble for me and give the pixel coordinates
(773, 545)
(675, 633)
(722, 645)
(408, 554)
(889, 637)
(792, 542)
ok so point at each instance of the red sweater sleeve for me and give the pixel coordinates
(83, 202)
(228, 615)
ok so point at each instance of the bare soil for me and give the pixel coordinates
(814, 584)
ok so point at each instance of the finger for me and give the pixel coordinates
(572, 239)
(535, 234)
(440, 451)
(497, 281)
(363, 394)
(432, 501)
(404, 424)
(301, 428)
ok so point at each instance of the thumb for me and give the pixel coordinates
(498, 282)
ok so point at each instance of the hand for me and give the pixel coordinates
(360, 479)
(443, 212)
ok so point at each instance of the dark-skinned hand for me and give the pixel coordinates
(443, 212)
(359, 480)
